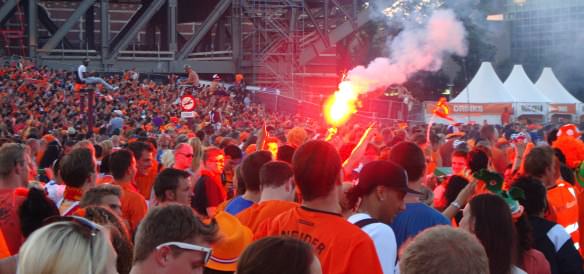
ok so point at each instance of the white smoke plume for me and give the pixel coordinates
(418, 47)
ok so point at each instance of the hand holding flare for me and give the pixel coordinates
(359, 150)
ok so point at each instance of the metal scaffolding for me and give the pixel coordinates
(273, 42)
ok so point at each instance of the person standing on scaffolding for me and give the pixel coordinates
(81, 76)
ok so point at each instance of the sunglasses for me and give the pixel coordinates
(186, 246)
(90, 227)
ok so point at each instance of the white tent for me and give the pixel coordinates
(522, 89)
(549, 85)
(529, 100)
(485, 87)
(483, 99)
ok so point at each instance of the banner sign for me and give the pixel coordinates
(464, 108)
(563, 108)
(530, 108)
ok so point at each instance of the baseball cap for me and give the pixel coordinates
(384, 173)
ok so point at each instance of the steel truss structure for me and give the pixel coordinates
(282, 44)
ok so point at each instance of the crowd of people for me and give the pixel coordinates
(237, 189)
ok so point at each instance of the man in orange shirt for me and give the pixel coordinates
(14, 168)
(147, 167)
(341, 247)
(277, 194)
(78, 171)
(542, 164)
(123, 167)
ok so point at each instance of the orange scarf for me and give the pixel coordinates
(72, 193)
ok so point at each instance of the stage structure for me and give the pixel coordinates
(284, 44)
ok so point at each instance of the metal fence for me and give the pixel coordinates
(383, 111)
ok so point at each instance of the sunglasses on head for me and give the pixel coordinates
(186, 246)
(90, 229)
(89, 226)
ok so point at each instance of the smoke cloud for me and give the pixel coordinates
(418, 47)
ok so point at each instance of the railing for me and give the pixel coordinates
(386, 112)
(211, 55)
(146, 55)
(69, 54)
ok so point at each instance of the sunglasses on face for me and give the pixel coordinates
(186, 246)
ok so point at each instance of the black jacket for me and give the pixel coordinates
(556, 244)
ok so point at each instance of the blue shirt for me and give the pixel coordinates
(416, 217)
(237, 205)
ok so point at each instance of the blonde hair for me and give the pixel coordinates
(197, 152)
(296, 136)
(167, 158)
(443, 249)
(107, 147)
(64, 248)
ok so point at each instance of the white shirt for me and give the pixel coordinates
(517, 270)
(80, 71)
(55, 191)
(383, 239)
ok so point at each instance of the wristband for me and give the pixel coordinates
(456, 205)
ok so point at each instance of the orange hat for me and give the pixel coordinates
(568, 130)
(234, 238)
(47, 138)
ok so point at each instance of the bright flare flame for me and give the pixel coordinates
(339, 107)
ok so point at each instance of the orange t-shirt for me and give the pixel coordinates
(145, 183)
(4, 251)
(133, 205)
(253, 216)
(9, 221)
(343, 248)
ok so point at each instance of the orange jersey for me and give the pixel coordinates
(564, 205)
(253, 216)
(144, 184)
(133, 206)
(340, 246)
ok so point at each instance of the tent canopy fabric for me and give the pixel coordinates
(549, 85)
(485, 87)
(522, 89)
